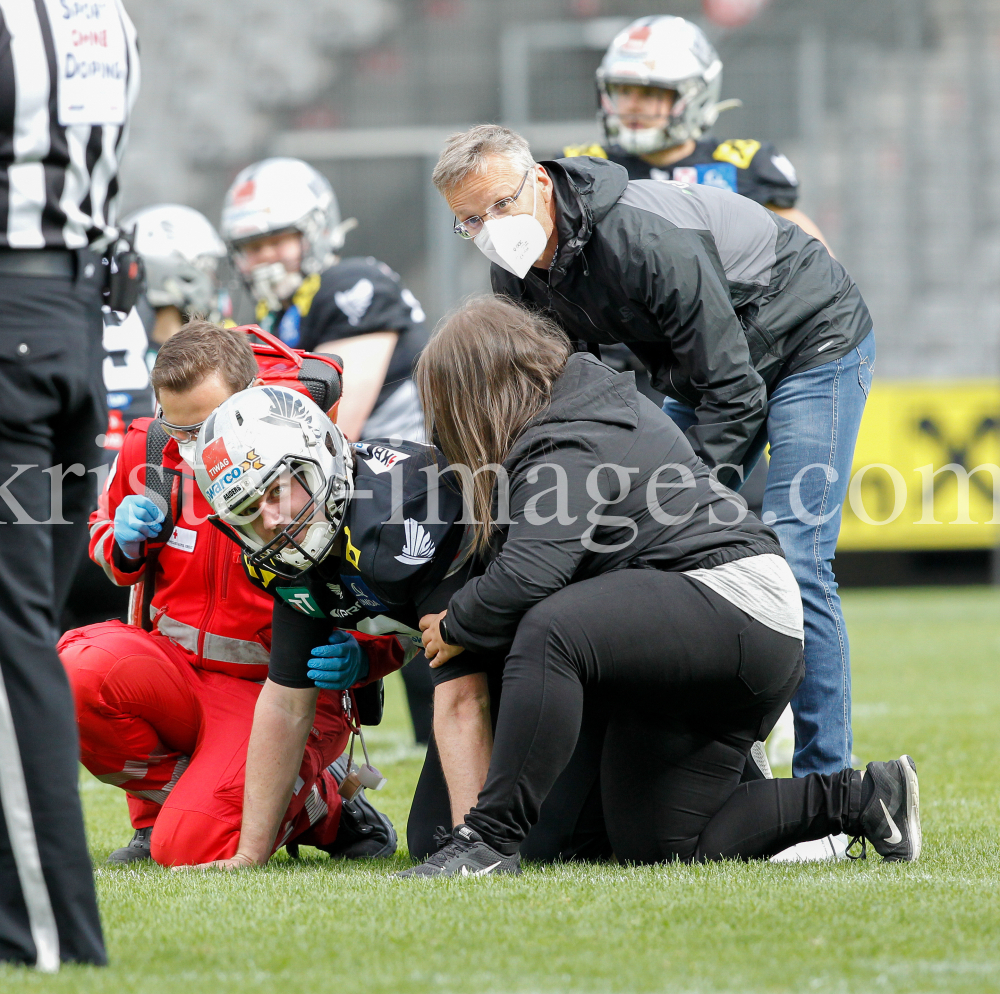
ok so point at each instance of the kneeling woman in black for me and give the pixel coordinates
(619, 569)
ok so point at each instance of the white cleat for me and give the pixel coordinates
(830, 847)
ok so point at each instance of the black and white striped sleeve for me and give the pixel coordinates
(69, 77)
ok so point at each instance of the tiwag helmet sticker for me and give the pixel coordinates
(418, 548)
(286, 408)
(216, 458)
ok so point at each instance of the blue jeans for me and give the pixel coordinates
(812, 426)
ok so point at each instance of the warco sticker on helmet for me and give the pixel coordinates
(227, 477)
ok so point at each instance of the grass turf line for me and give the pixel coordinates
(925, 681)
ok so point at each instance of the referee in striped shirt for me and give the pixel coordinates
(69, 75)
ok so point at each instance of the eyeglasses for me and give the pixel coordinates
(181, 433)
(471, 226)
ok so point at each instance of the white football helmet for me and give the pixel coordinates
(282, 195)
(181, 251)
(671, 54)
(251, 439)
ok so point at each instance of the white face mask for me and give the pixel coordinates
(187, 451)
(514, 243)
(640, 141)
(274, 284)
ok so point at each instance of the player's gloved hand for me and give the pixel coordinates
(136, 519)
(338, 665)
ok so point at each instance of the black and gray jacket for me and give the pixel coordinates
(719, 297)
(601, 480)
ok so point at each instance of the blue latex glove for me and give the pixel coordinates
(136, 519)
(339, 665)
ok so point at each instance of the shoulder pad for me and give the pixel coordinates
(572, 151)
(364, 264)
(393, 534)
(738, 151)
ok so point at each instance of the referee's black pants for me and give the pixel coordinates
(689, 682)
(51, 411)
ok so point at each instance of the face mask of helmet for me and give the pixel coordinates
(661, 131)
(515, 242)
(274, 284)
(309, 537)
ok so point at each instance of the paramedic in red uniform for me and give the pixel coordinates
(166, 713)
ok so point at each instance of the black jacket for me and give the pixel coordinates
(719, 297)
(660, 510)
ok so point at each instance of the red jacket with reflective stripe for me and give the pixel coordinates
(201, 596)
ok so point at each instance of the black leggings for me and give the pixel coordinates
(687, 683)
(571, 822)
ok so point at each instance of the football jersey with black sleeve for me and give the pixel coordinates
(400, 559)
(741, 165)
(359, 296)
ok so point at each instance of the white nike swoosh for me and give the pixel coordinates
(895, 835)
(478, 873)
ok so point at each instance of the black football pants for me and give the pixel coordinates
(51, 411)
(687, 683)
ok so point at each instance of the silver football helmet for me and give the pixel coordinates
(283, 195)
(671, 54)
(181, 251)
(246, 444)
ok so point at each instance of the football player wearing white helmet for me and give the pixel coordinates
(282, 223)
(659, 86)
(364, 536)
(181, 252)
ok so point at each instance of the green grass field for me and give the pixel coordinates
(925, 682)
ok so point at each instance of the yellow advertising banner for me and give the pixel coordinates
(926, 468)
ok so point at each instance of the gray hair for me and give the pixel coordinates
(466, 153)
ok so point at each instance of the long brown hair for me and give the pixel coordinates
(487, 371)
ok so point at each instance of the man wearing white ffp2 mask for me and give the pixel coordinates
(497, 215)
(740, 316)
(514, 241)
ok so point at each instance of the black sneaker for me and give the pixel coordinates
(891, 818)
(466, 855)
(137, 849)
(364, 832)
